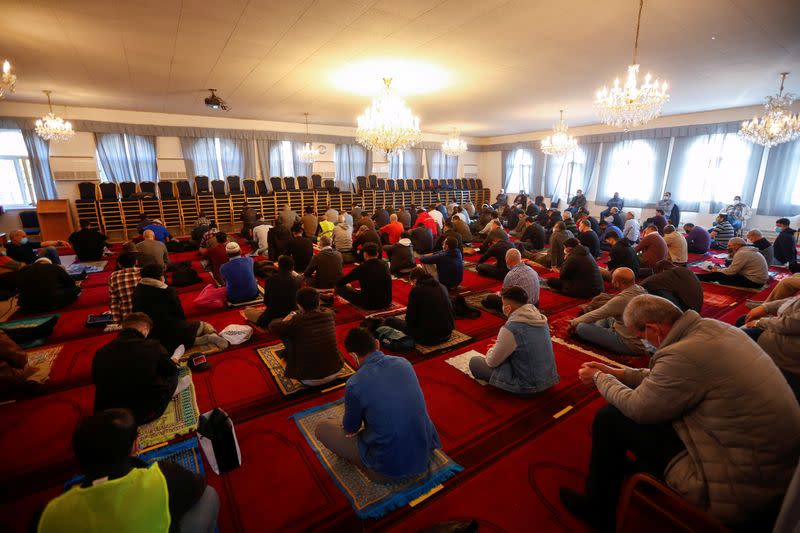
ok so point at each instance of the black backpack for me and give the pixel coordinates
(184, 275)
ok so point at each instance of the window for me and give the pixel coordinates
(523, 170)
(716, 168)
(122, 157)
(16, 185)
(565, 174)
(633, 170)
(287, 158)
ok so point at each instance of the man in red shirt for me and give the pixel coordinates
(652, 248)
(424, 219)
(217, 255)
(392, 230)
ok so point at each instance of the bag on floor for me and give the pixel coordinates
(175, 246)
(236, 333)
(461, 309)
(218, 440)
(394, 339)
(183, 275)
(212, 297)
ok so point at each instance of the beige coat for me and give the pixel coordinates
(781, 336)
(731, 407)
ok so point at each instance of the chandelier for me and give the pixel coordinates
(8, 80)
(308, 153)
(631, 105)
(388, 123)
(454, 145)
(778, 125)
(560, 142)
(53, 128)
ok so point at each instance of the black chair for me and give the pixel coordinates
(401, 185)
(184, 189)
(471, 184)
(372, 179)
(262, 188)
(435, 184)
(166, 189)
(250, 190)
(302, 183)
(479, 183)
(451, 184)
(316, 181)
(30, 222)
(234, 184)
(218, 187)
(201, 185)
(330, 186)
(418, 184)
(289, 183)
(127, 189)
(427, 184)
(362, 183)
(87, 190)
(277, 183)
(148, 188)
(391, 185)
(381, 183)
(109, 192)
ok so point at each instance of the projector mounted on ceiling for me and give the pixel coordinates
(215, 102)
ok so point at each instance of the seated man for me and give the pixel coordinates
(280, 294)
(309, 337)
(519, 275)
(300, 248)
(652, 248)
(401, 256)
(462, 226)
(386, 431)
(698, 240)
(579, 276)
(785, 248)
(278, 239)
(756, 238)
(392, 230)
(217, 255)
(614, 201)
(121, 285)
(605, 229)
(631, 229)
(704, 417)
(577, 203)
(621, 254)
(160, 302)
(614, 218)
(310, 223)
(659, 221)
(342, 240)
(429, 316)
(14, 370)
(21, 249)
(677, 284)
(88, 243)
(159, 230)
(261, 237)
(533, 238)
(362, 237)
(159, 497)
(518, 226)
(721, 232)
(374, 280)
(554, 256)
(587, 237)
(249, 218)
(207, 240)
(447, 265)
(676, 245)
(497, 251)
(448, 233)
(748, 268)
(522, 359)
(569, 222)
(422, 240)
(601, 323)
(152, 251)
(325, 268)
(134, 372)
(775, 326)
(44, 287)
(238, 275)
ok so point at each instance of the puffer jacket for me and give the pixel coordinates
(731, 407)
(781, 336)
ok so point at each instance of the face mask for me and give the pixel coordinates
(23, 240)
(778, 230)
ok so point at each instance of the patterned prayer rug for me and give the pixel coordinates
(251, 324)
(89, 267)
(475, 299)
(369, 498)
(394, 307)
(456, 339)
(25, 339)
(180, 418)
(277, 367)
(42, 361)
(461, 362)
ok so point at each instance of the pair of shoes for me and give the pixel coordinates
(580, 506)
(752, 304)
(218, 341)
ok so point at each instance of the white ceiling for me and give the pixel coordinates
(506, 66)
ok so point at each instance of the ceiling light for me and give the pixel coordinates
(53, 128)
(454, 145)
(8, 80)
(631, 105)
(388, 124)
(778, 125)
(308, 153)
(560, 142)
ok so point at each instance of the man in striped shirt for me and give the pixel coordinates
(722, 232)
(121, 285)
(519, 275)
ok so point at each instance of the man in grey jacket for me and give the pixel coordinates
(712, 416)
(601, 323)
(343, 240)
(748, 268)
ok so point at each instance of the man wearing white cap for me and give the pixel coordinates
(240, 279)
(161, 233)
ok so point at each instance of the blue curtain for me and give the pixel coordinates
(142, 149)
(39, 156)
(411, 167)
(301, 168)
(507, 161)
(112, 156)
(351, 160)
(441, 166)
(238, 157)
(780, 194)
(200, 157)
(635, 169)
(568, 173)
(271, 155)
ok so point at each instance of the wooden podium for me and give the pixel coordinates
(55, 220)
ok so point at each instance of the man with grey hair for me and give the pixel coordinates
(705, 416)
(342, 240)
(757, 239)
(748, 269)
(325, 268)
(152, 251)
(519, 275)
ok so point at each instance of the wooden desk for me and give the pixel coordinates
(55, 220)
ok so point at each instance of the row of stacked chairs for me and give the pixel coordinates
(373, 182)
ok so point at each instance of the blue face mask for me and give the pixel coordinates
(23, 240)
(778, 229)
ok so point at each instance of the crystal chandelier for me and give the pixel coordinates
(388, 123)
(454, 145)
(8, 80)
(631, 105)
(53, 128)
(778, 125)
(308, 153)
(560, 142)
